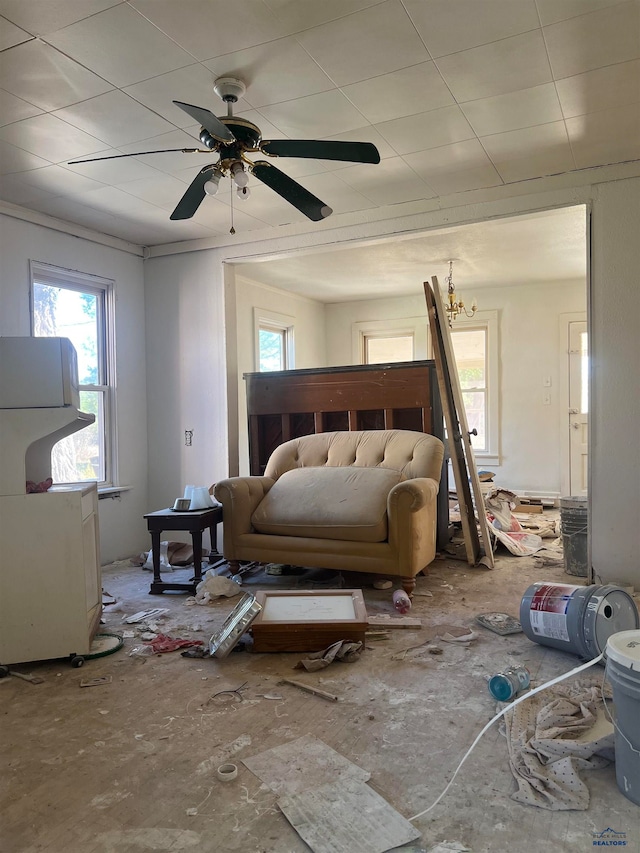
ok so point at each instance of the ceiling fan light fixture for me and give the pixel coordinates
(212, 185)
(239, 175)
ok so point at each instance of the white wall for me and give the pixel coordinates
(122, 528)
(309, 336)
(531, 449)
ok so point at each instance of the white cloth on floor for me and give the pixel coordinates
(552, 737)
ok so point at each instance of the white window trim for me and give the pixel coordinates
(488, 320)
(280, 322)
(418, 327)
(59, 276)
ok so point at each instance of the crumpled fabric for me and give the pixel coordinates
(165, 643)
(215, 586)
(344, 650)
(552, 737)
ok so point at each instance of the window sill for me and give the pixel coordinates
(111, 491)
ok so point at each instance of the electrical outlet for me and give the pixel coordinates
(188, 437)
(546, 399)
(547, 382)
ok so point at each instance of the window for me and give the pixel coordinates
(384, 349)
(274, 341)
(386, 341)
(475, 348)
(80, 307)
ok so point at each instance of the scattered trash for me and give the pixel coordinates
(108, 599)
(383, 620)
(505, 526)
(309, 688)
(148, 635)
(425, 592)
(164, 643)
(194, 653)
(435, 650)
(274, 696)
(499, 623)
(227, 772)
(128, 635)
(343, 650)
(96, 682)
(141, 651)
(386, 584)
(278, 569)
(377, 635)
(505, 685)
(464, 640)
(154, 613)
(448, 846)
(237, 692)
(191, 812)
(216, 586)
(401, 601)
(32, 679)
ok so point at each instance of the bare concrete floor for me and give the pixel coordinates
(117, 768)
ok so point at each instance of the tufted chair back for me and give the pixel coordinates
(414, 454)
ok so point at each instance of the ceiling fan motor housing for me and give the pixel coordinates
(229, 89)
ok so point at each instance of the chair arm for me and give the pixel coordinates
(411, 495)
(239, 497)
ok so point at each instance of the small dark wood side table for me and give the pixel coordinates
(193, 522)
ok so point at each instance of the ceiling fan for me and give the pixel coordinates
(232, 138)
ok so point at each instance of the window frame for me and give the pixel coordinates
(488, 322)
(416, 327)
(104, 288)
(272, 321)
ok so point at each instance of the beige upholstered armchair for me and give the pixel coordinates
(361, 501)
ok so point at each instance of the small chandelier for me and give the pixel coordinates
(456, 306)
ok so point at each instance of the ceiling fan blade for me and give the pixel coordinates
(141, 153)
(210, 122)
(355, 152)
(194, 195)
(291, 191)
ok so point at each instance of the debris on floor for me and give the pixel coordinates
(309, 688)
(499, 623)
(164, 643)
(383, 620)
(214, 586)
(343, 650)
(154, 613)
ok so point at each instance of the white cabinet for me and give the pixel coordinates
(50, 586)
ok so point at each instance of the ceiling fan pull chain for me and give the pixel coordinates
(232, 230)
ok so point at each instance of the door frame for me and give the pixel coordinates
(563, 381)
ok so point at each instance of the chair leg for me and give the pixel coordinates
(234, 567)
(408, 585)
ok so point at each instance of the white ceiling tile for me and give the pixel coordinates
(552, 11)
(113, 172)
(115, 118)
(340, 197)
(13, 159)
(46, 16)
(49, 137)
(530, 153)
(267, 129)
(396, 94)
(191, 85)
(314, 116)
(366, 44)
(449, 27)
(121, 46)
(538, 105)
(14, 189)
(210, 29)
(266, 71)
(161, 189)
(426, 130)
(45, 77)
(15, 109)
(297, 15)
(592, 41)
(297, 167)
(114, 200)
(216, 214)
(171, 162)
(609, 136)
(57, 180)
(11, 35)
(455, 168)
(519, 62)
(601, 89)
(389, 182)
(72, 210)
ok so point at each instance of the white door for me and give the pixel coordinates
(578, 406)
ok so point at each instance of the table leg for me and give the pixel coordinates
(155, 550)
(196, 537)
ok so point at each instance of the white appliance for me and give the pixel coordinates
(38, 373)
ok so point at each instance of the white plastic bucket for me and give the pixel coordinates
(623, 671)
